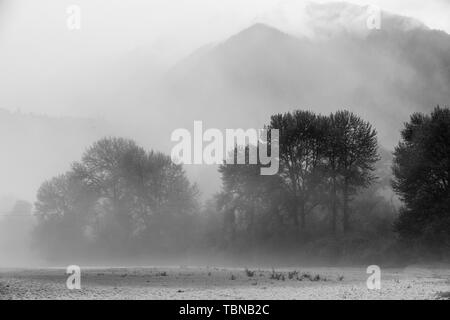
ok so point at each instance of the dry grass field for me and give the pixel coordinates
(224, 283)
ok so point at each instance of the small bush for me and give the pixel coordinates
(249, 273)
(277, 276)
(444, 295)
(307, 276)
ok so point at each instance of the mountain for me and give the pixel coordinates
(384, 77)
(335, 18)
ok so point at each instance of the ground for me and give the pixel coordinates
(225, 283)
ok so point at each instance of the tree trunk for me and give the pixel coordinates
(334, 208)
(345, 209)
(302, 217)
(294, 213)
(252, 227)
(229, 225)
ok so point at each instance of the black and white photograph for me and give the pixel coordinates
(225, 153)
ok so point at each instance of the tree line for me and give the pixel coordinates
(331, 197)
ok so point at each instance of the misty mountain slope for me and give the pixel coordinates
(36, 148)
(384, 77)
(238, 75)
(333, 18)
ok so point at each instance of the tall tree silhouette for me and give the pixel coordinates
(422, 179)
(355, 142)
(302, 140)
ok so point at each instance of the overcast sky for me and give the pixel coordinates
(36, 48)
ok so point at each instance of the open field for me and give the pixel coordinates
(224, 283)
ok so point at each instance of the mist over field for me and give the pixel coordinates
(86, 118)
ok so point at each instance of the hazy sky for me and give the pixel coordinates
(37, 50)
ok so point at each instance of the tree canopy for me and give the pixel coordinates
(118, 196)
(422, 179)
